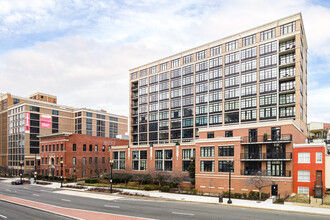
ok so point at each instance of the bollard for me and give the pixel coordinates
(220, 198)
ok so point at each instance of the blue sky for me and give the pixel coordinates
(81, 50)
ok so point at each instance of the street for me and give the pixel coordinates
(136, 207)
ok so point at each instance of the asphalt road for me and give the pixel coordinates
(12, 211)
(156, 209)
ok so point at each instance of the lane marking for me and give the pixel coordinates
(181, 213)
(66, 200)
(112, 206)
(35, 194)
(44, 190)
(2, 216)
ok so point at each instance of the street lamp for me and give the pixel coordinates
(111, 166)
(61, 173)
(20, 170)
(230, 166)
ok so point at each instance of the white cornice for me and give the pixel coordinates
(221, 139)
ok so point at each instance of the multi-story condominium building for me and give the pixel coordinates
(254, 76)
(25, 119)
(239, 101)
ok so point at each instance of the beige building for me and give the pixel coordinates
(255, 76)
(23, 120)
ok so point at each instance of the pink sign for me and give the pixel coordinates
(45, 121)
(27, 122)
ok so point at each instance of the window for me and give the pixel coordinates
(226, 151)
(268, 74)
(228, 133)
(268, 61)
(207, 166)
(303, 176)
(153, 69)
(215, 73)
(73, 161)
(119, 160)
(153, 79)
(210, 134)
(216, 50)
(215, 119)
(268, 47)
(134, 75)
(201, 98)
(249, 115)
(268, 100)
(287, 72)
(249, 77)
(163, 76)
(215, 107)
(233, 57)
(249, 90)
(188, 59)
(187, 80)
(248, 53)
(207, 151)
(318, 157)
(175, 83)
(231, 81)
(175, 73)
(231, 117)
(287, 98)
(304, 157)
(232, 93)
(267, 113)
(143, 72)
(231, 105)
(54, 112)
(215, 96)
(84, 160)
(289, 85)
(175, 63)
(139, 160)
(163, 160)
(232, 69)
(303, 190)
(226, 166)
(288, 28)
(232, 45)
(188, 69)
(287, 111)
(287, 58)
(187, 155)
(249, 40)
(61, 147)
(215, 62)
(249, 102)
(96, 148)
(268, 34)
(202, 66)
(202, 120)
(202, 77)
(217, 84)
(287, 45)
(268, 86)
(201, 55)
(163, 66)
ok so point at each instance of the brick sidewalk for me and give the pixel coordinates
(72, 213)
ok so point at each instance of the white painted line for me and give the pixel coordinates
(25, 188)
(44, 190)
(66, 200)
(112, 206)
(2, 216)
(35, 194)
(181, 213)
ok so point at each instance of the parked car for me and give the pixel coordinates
(17, 182)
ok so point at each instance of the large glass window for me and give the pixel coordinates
(139, 160)
(303, 176)
(226, 166)
(207, 151)
(207, 166)
(226, 151)
(163, 160)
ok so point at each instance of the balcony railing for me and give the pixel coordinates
(134, 87)
(267, 156)
(275, 173)
(134, 104)
(267, 138)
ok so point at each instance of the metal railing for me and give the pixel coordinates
(265, 156)
(267, 138)
(275, 173)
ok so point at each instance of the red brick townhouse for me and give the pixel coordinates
(264, 148)
(309, 169)
(82, 155)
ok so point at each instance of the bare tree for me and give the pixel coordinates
(259, 181)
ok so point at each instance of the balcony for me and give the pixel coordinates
(267, 139)
(276, 156)
(274, 173)
(134, 105)
(134, 87)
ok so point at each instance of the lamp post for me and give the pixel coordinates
(21, 170)
(111, 166)
(61, 173)
(230, 166)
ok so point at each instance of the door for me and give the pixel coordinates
(318, 180)
(253, 134)
(276, 133)
(274, 190)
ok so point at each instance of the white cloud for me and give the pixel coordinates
(85, 61)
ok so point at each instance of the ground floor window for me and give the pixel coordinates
(303, 190)
(163, 160)
(303, 176)
(207, 166)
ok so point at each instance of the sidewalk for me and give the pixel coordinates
(194, 198)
